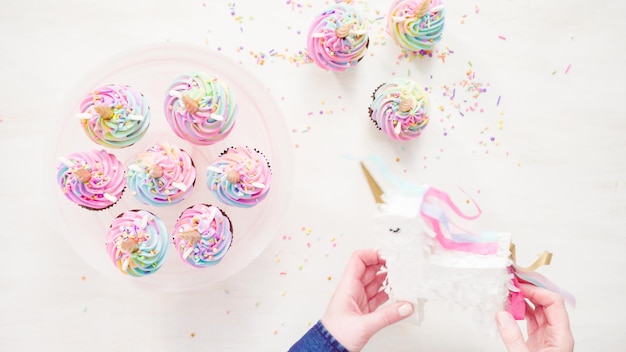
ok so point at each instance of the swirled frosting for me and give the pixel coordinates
(240, 177)
(202, 235)
(200, 109)
(337, 38)
(93, 179)
(400, 108)
(137, 242)
(163, 175)
(416, 25)
(115, 116)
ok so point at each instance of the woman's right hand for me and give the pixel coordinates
(547, 324)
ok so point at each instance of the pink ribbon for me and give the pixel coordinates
(517, 305)
(434, 216)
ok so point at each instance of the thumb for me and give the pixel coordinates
(510, 333)
(386, 316)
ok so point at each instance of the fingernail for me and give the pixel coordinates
(405, 310)
(504, 319)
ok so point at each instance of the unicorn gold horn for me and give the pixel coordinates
(377, 192)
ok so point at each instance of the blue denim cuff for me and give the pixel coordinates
(318, 339)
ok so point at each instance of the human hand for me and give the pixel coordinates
(547, 324)
(352, 316)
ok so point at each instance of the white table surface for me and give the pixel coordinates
(555, 176)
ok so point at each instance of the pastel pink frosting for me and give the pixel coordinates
(240, 177)
(416, 25)
(337, 38)
(93, 179)
(399, 108)
(161, 176)
(202, 235)
(200, 109)
(137, 242)
(127, 115)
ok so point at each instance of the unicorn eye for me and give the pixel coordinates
(396, 230)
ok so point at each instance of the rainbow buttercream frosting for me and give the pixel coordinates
(337, 38)
(137, 242)
(400, 108)
(416, 25)
(93, 179)
(200, 109)
(163, 175)
(240, 177)
(114, 116)
(202, 235)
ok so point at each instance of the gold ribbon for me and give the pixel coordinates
(544, 259)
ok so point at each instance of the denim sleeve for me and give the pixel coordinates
(317, 339)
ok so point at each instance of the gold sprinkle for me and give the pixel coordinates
(233, 177)
(191, 105)
(129, 246)
(406, 105)
(190, 236)
(104, 111)
(82, 175)
(156, 171)
(421, 12)
(343, 31)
